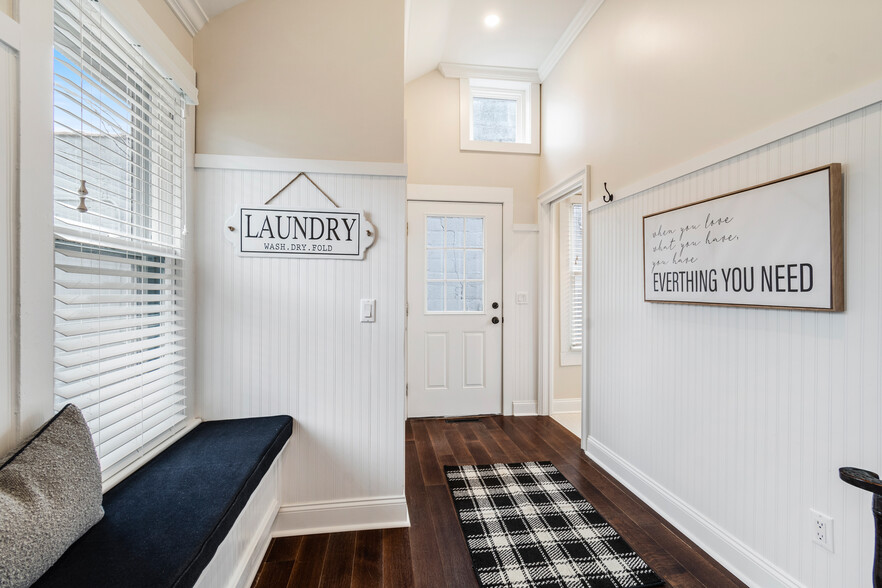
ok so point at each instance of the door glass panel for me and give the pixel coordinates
(474, 232)
(474, 265)
(474, 296)
(435, 231)
(455, 296)
(454, 264)
(455, 231)
(435, 296)
(435, 264)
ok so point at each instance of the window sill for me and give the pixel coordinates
(494, 147)
(568, 358)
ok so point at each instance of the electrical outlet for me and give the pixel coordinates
(822, 529)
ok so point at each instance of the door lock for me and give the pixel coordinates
(495, 305)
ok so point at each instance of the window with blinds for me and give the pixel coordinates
(119, 219)
(575, 277)
(570, 283)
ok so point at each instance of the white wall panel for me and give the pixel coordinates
(745, 415)
(8, 240)
(524, 317)
(283, 335)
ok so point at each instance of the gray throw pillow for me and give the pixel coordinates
(50, 494)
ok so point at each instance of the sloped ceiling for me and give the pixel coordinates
(531, 34)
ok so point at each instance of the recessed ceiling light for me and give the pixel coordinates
(491, 20)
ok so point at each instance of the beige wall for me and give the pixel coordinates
(171, 26)
(6, 7)
(651, 84)
(567, 379)
(431, 108)
(303, 79)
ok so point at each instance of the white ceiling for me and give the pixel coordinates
(453, 31)
(214, 7)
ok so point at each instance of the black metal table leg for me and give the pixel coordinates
(870, 482)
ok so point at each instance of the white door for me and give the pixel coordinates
(454, 322)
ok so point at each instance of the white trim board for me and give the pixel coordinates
(487, 72)
(336, 516)
(35, 248)
(730, 552)
(585, 14)
(566, 405)
(285, 164)
(10, 32)
(839, 106)
(504, 196)
(523, 408)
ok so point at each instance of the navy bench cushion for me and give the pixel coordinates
(163, 524)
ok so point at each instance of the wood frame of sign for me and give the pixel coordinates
(774, 245)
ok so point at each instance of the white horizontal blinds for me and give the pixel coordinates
(119, 312)
(575, 277)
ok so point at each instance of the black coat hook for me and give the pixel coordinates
(607, 194)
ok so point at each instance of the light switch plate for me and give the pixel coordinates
(521, 297)
(368, 310)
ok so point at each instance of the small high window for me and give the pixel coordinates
(499, 115)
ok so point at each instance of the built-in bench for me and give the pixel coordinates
(164, 524)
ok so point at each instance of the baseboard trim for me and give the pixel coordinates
(341, 515)
(566, 405)
(748, 565)
(524, 408)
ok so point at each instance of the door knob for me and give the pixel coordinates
(495, 320)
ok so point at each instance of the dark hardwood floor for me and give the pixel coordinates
(432, 552)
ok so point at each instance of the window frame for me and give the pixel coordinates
(137, 244)
(526, 94)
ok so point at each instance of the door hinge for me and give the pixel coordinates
(406, 309)
(407, 228)
(407, 389)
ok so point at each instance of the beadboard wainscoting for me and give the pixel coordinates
(732, 422)
(8, 242)
(283, 336)
(238, 557)
(524, 318)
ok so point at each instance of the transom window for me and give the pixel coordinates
(495, 118)
(499, 115)
(454, 264)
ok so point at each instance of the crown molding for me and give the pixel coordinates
(190, 13)
(517, 74)
(569, 36)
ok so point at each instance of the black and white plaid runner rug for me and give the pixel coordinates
(526, 525)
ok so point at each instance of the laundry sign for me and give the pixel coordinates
(333, 233)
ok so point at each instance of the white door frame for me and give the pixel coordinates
(578, 182)
(504, 196)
